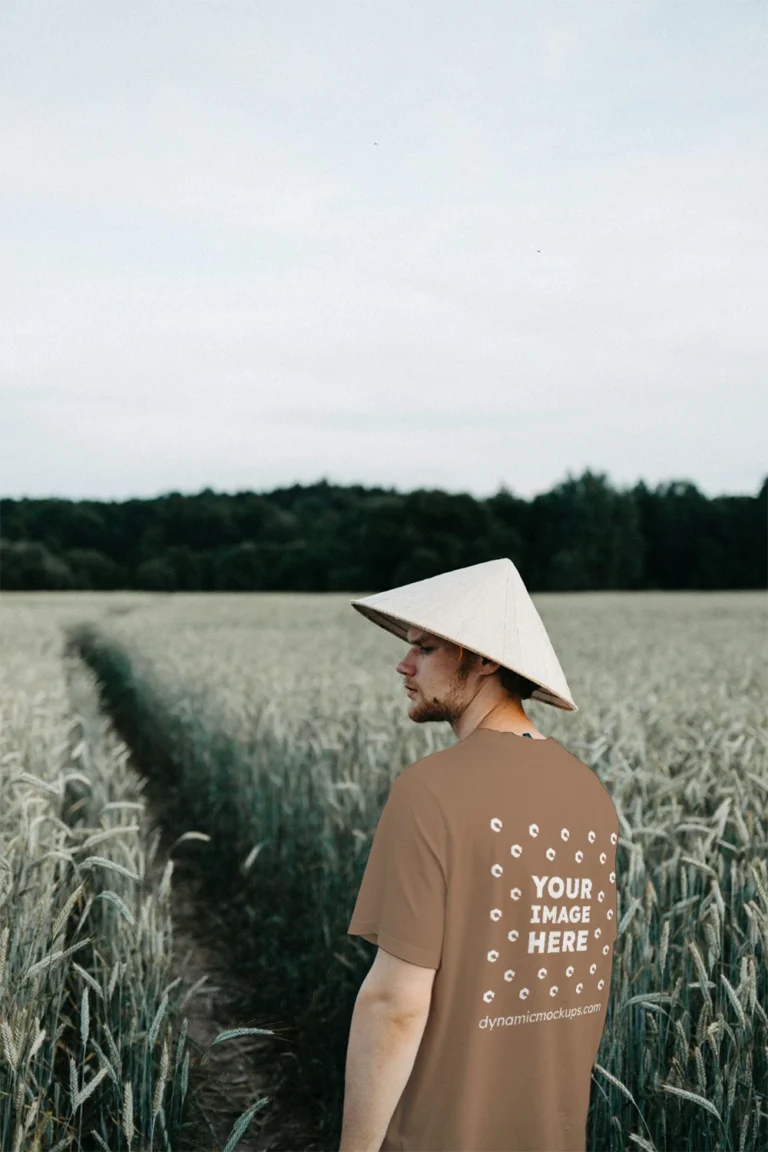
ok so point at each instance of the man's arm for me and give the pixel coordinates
(382, 1048)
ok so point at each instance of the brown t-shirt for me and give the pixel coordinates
(494, 862)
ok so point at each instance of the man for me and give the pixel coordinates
(490, 892)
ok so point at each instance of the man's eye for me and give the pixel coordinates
(425, 649)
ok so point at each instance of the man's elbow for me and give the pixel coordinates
(401, 1012)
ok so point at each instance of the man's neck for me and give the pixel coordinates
(503, 716)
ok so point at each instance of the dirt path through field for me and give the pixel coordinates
(223, 1081)
(222, 1076)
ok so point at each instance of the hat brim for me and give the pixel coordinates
(398, 626)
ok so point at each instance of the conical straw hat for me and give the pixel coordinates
(485, 608)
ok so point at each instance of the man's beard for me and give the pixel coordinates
(447, 708)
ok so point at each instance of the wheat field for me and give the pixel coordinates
(270, 727)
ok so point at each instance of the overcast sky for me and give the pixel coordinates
(254, 243)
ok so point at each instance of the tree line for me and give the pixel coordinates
(582, 535)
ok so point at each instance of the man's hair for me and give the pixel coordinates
(517, 686)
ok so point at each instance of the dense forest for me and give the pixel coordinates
(582, 535)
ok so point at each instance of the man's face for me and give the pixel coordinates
(432, 667)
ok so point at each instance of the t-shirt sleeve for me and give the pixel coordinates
(401, 902)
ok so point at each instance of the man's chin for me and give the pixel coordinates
(426, 716)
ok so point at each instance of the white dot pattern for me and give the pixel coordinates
(574, 890)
